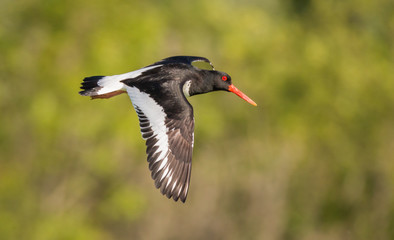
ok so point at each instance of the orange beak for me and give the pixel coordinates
(235, 90)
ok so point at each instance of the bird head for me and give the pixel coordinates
(222, 81)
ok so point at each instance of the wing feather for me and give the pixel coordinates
(169, 142)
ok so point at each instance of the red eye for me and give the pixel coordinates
(224, 78)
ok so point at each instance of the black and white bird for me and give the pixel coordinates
(158, 93)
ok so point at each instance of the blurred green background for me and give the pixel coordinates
(314, 160)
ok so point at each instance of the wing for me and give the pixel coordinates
(169, 140)
(190, 60)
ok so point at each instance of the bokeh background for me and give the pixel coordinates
(314, 160)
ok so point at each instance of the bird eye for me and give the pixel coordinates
(224, 78)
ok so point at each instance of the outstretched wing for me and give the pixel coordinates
(169, 139)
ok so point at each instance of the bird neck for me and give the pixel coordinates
(202, 83)
(200, 87)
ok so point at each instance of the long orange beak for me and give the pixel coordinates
(235, 90)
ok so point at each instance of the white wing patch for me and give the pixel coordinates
(113, 83)
(156, 117)
(169, 152)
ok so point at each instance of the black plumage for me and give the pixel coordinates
(158, 93)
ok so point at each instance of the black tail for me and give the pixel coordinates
(109, 87)
(90, 86)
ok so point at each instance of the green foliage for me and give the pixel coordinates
(314, 160)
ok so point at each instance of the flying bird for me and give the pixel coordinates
(158, 93)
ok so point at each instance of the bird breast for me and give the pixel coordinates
(186, 88)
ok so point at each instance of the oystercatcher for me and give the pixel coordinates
(158, 93)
